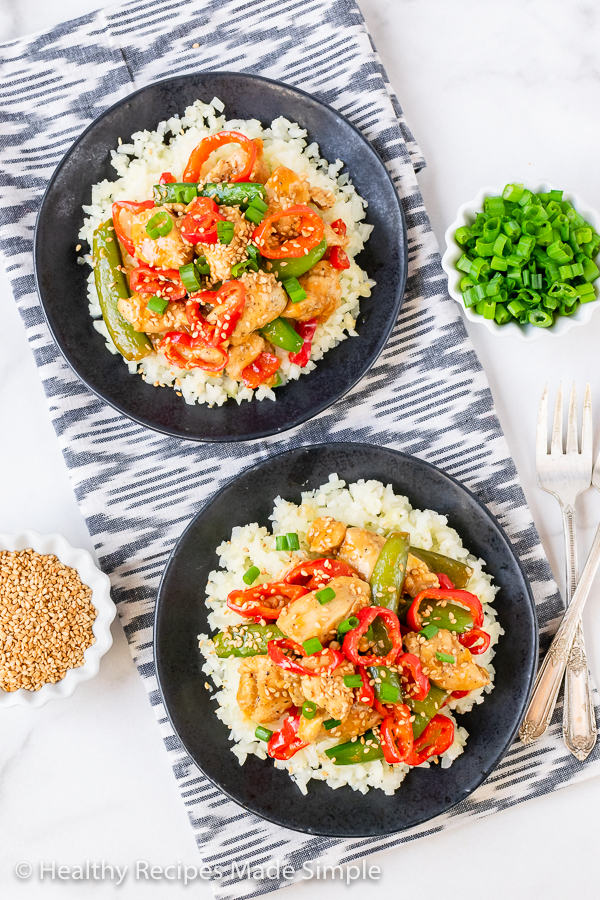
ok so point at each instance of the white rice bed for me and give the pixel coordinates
(367, 504)
(139, 166)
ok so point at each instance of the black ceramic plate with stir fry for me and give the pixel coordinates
(181, 615)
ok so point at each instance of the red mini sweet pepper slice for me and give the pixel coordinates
(463, 598)
(306, 330)
(208, 145)
(352, 639)
(167, 178)
(199, 225)
(436, 739)
(316, 573)
(396, 735)
(185, 352)
(445, 582)
(338, 258)
(311, 233)
(164, 283)
(262, 369)
(254, 602)
(418, 684)
(285, 742)
(123, 211)
(232, 297)
(475, 640)
(366, 693)
(326, 661)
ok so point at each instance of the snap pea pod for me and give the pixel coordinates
(239, 194)
(451, 616)
(389, 572)
(176, 192)
(283, 335)
(111, 285)
(353, 752)
(425, 710)
(384, 676)
(459, 573)
(294, 266)
(254, 640)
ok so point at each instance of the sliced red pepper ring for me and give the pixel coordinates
(185, 352)
(418, 684)
(396, 735)
(232, 297)
(199, 225)
(306, 330)
(164, 283)
(366, 693)
(316, 573)
(262, 369)
(285, 742)
(311, 231)
(352, 639)
(255, 601)
(445, 582)
(436, 739)
(325, 662)
(476, 640)
(208, 145)
(339, 226)
(338, 258)
(463, 598)
(123, 213)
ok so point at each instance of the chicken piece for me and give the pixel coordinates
(260, 170)
(321, 197)
(169, 252)
(286, 188)
(221, 257)
(305, 617)
(265, 301)
(262, 693)
(418, 577)
(358, 720)
(325, 534)
(135, 310)
(462, 675)
(242, 355)
(226, 168)
(310, 729)
(361, 549)
(323, 294)
(333, 238)
(329, 691)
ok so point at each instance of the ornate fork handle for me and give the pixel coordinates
(547, 684)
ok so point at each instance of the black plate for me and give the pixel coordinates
(181, 615)
(61, 283)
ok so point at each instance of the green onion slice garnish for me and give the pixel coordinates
(189, 277)
(159, 225)
(256, 210)
(225, 231)
(251, 575)
(309, 709)
(312, 646)
(389, 693)
(445, 657)
(281, 542)
(157, 305)
(293, 541)
(348, 625)
(202, 267)
(353, 681)
(325, 595)
(429, 631)
(331, 723)
(263, 734)
(294, 289)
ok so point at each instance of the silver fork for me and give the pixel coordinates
(566, 475)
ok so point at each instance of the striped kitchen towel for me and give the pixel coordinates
(427, 394)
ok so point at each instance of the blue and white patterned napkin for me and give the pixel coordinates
(427, 395)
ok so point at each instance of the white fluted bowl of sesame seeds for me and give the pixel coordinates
(55, 618)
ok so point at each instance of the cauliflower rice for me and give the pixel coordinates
(367, 504)
(139, 165)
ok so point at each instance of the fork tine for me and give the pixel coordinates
(541, 435)
(586, 427)
(572, 422)
(556, 447)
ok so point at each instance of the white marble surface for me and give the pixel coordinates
(491, 91)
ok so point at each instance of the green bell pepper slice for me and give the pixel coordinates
(283, 335)
(353, 752)
(425, 710)
(389, 572)
(451, 616)
(294, 266)
(384, 676)
(112, 286)
(254, 640)
(459, 573)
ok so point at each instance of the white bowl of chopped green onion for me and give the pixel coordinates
(522, 260)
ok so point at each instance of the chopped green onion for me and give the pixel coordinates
(489, 309)
(325, 595)
(462, 234)
(309, 709)
(251, 575)
(502, 315)
(513, 192)
(353, 681)
(247, 264)
(189, 277)
(263, 734)
(294, 289)
(389, 693)
(159, 225)
(157, 305)
(331, 723)
(494, 206)
(202, 266)
(256, 210)
(281, 542)
(591, 271)
(586, 292)
(293, 541)
(540, 318)
(445, 657)
(348, 625)
(312, 646)
(429, 631)
(225, 231)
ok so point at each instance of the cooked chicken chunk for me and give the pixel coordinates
(262, 693)
(330, 693)
(244, 354)
(418, 577)
(226, 168)
(462, 675)
(135, 310)
(286, 188)
(260, 170)
(325, 534)
(361, 549)
(169, 252)
(321, 197)
(265, 300)
(221, 257)
(323, 294)
(306, 617)
(358, 720)
(333, 238)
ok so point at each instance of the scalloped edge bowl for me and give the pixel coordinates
(91, 575)
(466, 216)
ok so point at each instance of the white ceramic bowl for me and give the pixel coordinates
(91, 575)
(466, 216)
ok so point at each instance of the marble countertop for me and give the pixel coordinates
(493, 93)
